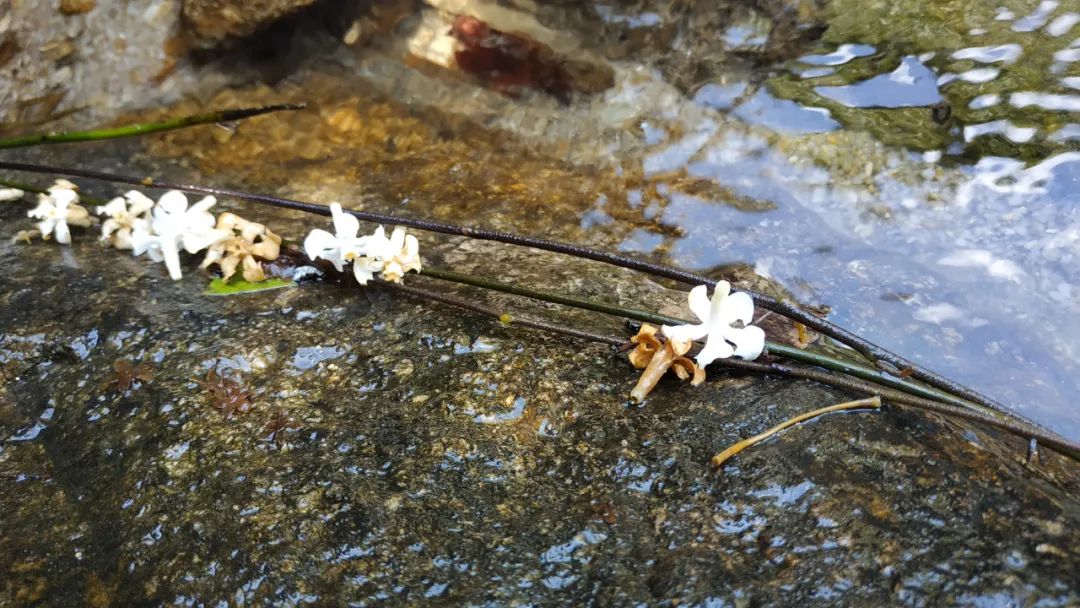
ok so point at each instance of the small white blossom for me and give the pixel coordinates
(10, 194)
(125, 213)
(370, 254)
(338, 248)
(401, 255)
(175, 226)
(58, 208)
(392, 257)
(724, 322)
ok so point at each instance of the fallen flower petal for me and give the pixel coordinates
(724, 323)
(669, 356)
(249, 243)
(56, 209)
(11, 194)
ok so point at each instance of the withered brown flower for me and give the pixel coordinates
(249, 244)
(656, 357)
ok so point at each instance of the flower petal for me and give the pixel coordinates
(364, 270)
(140, 241)
(113, 208)
(397, 239)
(739, 306)
(685, 333)
(749, 342)
(194, 242)
(699, 302)
(719, 301)
(203, 206)
(345, 225)
(44, 208)
(171, 255)
(63, 235)
(45, 227)
(172, 202)
(140, 203)
(715, 348)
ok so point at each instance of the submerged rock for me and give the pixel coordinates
(214, 20)
(399, 451)
(391, 450)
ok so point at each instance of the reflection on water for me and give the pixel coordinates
(966, 257)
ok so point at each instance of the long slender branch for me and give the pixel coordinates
(781, 350)
(1017, 427)
(789, 309)
(67, 137)
(503, 317)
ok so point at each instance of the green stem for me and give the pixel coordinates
(142, 128)
(1017, 427)
(780, 350)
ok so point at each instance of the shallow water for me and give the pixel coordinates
(437, 456)
(980, 278)
(961, 247)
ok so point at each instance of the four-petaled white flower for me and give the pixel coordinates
(725, 323)
(10, 194)
(126, 214)
(401, 255)
(369, 254)
(58, 208)
(176, 226)
(338, 248)
(393, 256)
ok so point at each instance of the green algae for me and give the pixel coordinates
(937, 30)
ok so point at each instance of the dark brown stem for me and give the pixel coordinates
(895, 397)
(871, 351)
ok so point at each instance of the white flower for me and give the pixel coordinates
(10, 194)
(338, 248)
(724, 321)
(57, 209)
(370, 254)
(401, 255)
(125, 215)
(393, 256)
(174, 225)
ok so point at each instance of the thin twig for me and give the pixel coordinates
(719, 460)
(871, 351)
(183, 122)
(1011, 425)
(782, 350)
(503, 317)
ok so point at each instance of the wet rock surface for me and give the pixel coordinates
(214, 20)
(399, 451)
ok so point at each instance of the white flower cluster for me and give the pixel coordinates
(725, 325)
(159, 229)
(58, 207)
(162, 229)
(174, 226)
(369, 254)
